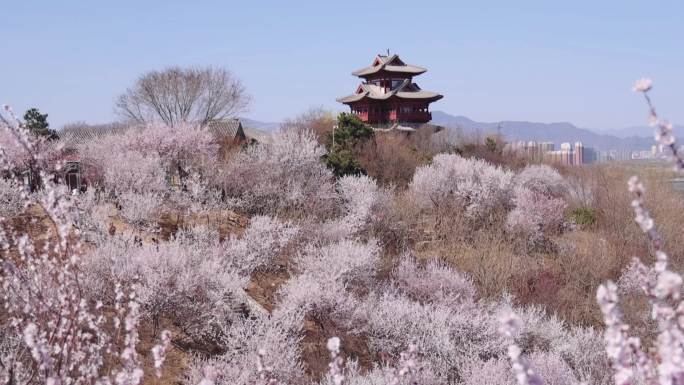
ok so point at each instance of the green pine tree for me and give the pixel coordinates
(343, 162)
(349, 136)
(38, 125)
(351, 131)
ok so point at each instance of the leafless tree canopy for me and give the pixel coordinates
(316, 119)
(177, 95)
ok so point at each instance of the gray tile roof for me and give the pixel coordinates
(227, 128)
(406, 90)
(85, 133)
(390, 64)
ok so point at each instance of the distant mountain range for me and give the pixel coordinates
(262, 126)
(549, 132)
(637, 131)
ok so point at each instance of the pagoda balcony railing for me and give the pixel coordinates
(373, 117)
(413, 116)
(394, 116)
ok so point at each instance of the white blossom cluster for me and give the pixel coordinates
(77, 312)
(532, 201)
(510, 327)
(11, 199)
(475, 186)
(136, 166)
(67, 335)
(285, 176)
(631, 364)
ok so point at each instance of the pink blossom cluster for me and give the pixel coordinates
(11, 199)
(472, 185)
(313, 235)
(631, 364)
(138, 167)
(510, 327)
(285, 176)
(65, 333)
(535, 216)
(538, 204)
(532, 201)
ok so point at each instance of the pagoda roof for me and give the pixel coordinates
(406, 90)
(389, 63)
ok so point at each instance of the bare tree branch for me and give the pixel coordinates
(176, 95)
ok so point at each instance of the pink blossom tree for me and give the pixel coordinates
(539, 205)
(64, 332)
(472, 186)
(282, 177)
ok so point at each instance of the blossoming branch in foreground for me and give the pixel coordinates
(65, 332)
(663, 132)
(265, 372)
(643, 85)
(630, 363)
(628, 359)
(335, 361)
(510, 327)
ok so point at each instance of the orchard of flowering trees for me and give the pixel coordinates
(328, 280)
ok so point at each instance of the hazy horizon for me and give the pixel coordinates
(532, 61)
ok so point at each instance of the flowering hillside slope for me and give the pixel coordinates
(473, 273)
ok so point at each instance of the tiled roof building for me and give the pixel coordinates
(388, 93)
(228, 129)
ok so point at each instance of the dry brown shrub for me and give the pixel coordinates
(615, 217)
(584, 261)
(400, 226)
(392, 157)
(490, 261)
(316, 119)
(563, 278)
(494, 152)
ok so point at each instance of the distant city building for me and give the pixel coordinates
(590, 155)
(578, 156)
(546, 146)
(613, 156)
(656, 152)
(567, 154)
(642, 155)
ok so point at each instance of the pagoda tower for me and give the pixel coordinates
(388, 94)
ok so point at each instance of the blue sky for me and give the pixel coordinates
(493, 60)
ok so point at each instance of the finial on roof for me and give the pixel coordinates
(388, 52)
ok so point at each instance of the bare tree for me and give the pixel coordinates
(181, 95)
(316, 119)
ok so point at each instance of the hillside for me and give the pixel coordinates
(261, 257)
(634, 131)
